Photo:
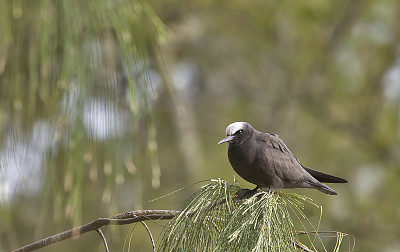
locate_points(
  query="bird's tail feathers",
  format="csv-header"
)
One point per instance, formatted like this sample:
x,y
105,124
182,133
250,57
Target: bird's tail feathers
x,y
323,177
323,188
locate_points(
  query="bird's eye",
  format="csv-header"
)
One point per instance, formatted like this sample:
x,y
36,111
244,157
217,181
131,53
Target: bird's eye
x,y
238,132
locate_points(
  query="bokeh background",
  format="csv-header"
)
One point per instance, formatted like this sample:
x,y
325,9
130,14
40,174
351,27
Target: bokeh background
x,y
106,105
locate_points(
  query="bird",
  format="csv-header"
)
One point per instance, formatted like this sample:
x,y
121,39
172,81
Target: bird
x,y
263,159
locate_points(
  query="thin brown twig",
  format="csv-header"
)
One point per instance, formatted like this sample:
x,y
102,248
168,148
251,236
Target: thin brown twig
x,y
301,246
103,238
320,232
151,236
120,219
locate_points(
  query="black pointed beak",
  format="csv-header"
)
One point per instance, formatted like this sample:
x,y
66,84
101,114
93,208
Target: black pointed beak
x,y
226,139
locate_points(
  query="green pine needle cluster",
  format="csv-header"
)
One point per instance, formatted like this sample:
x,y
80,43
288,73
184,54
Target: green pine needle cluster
x,y
214,219
202,220
260,223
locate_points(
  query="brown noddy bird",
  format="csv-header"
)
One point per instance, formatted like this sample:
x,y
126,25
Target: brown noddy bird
x,y
264,160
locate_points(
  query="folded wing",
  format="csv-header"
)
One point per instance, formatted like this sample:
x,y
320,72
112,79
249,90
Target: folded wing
x,y
323,177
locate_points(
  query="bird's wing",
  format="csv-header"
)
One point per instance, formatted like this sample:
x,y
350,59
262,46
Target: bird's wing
x,y
323,177
280,158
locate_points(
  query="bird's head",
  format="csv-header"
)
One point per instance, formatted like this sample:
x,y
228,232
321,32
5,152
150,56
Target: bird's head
x,y
237,133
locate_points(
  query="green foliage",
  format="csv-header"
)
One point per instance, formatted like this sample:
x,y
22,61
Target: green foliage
x,y
321,74
69,70
214,219
261,223
202,219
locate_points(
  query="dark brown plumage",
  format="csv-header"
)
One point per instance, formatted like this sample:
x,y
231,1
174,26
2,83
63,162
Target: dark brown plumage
x,y
263,159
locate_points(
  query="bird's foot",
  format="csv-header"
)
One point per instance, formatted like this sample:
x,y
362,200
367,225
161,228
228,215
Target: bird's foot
x,y
246,193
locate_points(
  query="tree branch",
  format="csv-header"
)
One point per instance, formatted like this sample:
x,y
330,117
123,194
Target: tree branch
x,y
120,219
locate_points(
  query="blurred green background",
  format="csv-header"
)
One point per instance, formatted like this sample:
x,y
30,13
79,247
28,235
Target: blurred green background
x,y
106,105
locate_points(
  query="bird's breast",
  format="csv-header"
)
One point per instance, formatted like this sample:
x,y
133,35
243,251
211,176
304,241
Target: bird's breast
x,y
248,166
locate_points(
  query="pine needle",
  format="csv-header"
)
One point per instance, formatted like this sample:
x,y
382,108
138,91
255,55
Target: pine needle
x,y
214,219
